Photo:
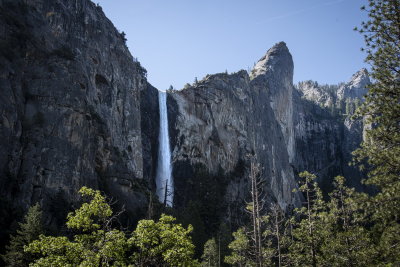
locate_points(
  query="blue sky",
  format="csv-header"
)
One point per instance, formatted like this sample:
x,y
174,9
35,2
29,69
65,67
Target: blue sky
x,y
178,40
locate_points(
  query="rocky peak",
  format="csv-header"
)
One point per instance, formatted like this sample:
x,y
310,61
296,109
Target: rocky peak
x,y
274,74
356,87
323,95
277,59
360,78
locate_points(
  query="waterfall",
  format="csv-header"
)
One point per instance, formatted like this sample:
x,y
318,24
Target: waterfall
x,y
164,180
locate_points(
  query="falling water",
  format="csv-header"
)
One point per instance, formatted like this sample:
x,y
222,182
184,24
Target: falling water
x,y
164,182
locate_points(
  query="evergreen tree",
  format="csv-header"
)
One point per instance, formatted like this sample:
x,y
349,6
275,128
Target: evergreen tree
x,y
162,243
277,234
29,230
97,244
311,229
210,255
348,242
349,107
255,208
381,110
240,248
250,248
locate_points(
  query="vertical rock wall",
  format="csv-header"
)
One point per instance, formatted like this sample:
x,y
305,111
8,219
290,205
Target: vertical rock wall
x,y
216,122
75,109
219,121
325,134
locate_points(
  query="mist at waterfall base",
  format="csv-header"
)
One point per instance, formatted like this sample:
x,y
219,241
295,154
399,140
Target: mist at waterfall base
x,y
164,181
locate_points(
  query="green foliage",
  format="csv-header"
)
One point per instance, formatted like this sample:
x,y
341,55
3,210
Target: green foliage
x,y
90,216
55,251
240,248
278,238
96,244
210,255
381,110
348,241
310,230
161,243
29,230
338,232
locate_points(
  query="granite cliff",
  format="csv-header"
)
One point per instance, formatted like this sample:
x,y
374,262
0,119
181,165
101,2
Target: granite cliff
x,y
76,109
216,122
325,133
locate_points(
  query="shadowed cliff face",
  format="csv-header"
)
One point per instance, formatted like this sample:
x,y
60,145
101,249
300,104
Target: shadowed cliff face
x,y
325,135
71,108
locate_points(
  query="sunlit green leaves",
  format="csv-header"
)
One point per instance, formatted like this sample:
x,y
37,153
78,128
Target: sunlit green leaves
x,y
162,241
90,214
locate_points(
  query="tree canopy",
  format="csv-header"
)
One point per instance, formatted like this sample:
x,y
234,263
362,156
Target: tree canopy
x,y
380,149
97,243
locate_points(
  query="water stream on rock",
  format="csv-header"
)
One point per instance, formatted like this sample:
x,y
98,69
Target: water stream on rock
x,y
164,181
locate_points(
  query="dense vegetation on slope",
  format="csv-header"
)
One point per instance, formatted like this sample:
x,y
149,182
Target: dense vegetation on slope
x,y
95,241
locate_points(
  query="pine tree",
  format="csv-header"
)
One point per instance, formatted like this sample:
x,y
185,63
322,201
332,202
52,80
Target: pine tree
x,y
311,229
96,243
381,110
277,234
162,243
210,254
29,230
348,242
240,248
248,246
255,208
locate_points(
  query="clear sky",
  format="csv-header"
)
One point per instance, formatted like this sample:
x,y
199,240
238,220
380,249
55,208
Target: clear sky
x,y
178,40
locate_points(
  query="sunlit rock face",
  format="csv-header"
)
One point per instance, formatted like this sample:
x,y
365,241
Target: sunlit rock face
x,y
323,95
70,103
274,72
223,118
356,87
